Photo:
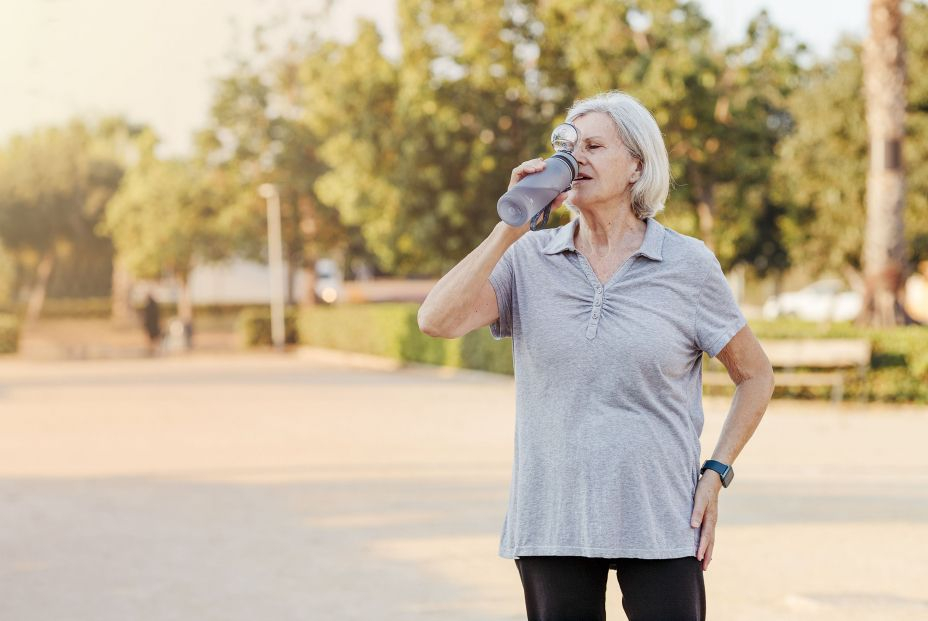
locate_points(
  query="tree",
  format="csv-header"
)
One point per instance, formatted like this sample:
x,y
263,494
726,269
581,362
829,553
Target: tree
x,y
163,221
721,111
822,165
256,135
54,185
884,242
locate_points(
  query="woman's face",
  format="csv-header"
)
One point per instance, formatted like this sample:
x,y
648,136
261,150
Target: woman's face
x,y
607,168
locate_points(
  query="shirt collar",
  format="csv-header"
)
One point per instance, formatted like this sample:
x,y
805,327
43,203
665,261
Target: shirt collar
x,y
651,247
563,239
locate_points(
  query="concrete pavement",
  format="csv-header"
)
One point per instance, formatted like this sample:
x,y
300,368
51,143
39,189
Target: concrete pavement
x,y
307,487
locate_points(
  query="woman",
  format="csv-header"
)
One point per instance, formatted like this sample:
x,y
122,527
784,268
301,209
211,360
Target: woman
x,y
609,316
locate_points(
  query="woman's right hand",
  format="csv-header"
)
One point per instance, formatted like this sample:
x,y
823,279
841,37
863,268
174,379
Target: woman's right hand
x,y
529,168
525,169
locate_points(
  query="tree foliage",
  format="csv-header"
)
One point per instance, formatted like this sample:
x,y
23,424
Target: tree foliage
x,y
425,145
403,159
54,185
161,220
256,135
821,168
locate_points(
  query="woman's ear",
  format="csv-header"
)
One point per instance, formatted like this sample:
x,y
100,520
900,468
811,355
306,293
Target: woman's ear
x,y
636,174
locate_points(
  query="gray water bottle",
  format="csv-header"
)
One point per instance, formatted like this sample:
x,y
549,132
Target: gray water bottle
x,y
536,191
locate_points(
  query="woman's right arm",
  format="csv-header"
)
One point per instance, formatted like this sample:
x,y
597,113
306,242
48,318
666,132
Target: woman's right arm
x,y
464,300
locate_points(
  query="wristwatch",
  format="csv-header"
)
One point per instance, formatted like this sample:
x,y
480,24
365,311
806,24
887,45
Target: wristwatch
x,y
725,471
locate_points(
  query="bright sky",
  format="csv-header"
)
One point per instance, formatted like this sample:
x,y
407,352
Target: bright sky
x,y
154,60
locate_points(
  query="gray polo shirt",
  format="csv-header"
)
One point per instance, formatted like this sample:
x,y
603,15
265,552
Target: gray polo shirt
x,y
608,392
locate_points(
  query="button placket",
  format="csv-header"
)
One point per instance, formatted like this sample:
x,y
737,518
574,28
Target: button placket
x,y
598,287
596,312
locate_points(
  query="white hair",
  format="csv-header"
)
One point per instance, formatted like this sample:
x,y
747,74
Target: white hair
x,y
640,133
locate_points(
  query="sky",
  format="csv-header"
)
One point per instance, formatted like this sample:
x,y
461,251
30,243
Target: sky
x,y
154,61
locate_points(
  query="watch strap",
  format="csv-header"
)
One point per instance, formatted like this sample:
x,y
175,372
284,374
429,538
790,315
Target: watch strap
x,y
725,472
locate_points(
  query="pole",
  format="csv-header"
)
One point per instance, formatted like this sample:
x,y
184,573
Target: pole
x,y
275,263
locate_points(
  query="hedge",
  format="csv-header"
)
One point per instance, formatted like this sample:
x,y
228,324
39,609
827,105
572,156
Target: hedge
x,y
392,330
898,365
253,326
101,308
74,308
9,334
898,370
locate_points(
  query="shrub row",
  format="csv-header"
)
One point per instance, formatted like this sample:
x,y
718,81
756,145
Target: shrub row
x,y
9,334
898,371
101,308
898,365
253,326
392,330
73,308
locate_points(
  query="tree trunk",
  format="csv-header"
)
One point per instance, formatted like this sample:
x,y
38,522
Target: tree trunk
x,y
185,309
705,211
37,295
884,242
309,295
308,229
121,311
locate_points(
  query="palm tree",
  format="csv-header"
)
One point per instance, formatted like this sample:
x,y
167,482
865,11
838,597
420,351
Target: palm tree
x,y
884,243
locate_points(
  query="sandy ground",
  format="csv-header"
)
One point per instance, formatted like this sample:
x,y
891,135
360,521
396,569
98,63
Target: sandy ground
x,y
302,487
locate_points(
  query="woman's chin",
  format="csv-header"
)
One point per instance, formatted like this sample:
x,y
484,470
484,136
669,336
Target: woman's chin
x,y
575,201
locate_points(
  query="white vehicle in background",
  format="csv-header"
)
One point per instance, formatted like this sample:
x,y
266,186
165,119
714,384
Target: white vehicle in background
x,y
824,300
330,284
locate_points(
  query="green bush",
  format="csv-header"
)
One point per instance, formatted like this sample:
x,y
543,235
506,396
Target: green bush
x,y
479,350
101,308
364,328
213,311
898,365
392,330
253,326
898,370
9,334
75,308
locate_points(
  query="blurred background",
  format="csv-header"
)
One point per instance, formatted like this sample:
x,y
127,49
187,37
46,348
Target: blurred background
x,y
218,220
135,138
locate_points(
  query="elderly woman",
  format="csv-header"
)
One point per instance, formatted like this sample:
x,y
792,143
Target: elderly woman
x,y
609,317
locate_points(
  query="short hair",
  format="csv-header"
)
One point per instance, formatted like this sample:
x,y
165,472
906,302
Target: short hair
x,y
640,133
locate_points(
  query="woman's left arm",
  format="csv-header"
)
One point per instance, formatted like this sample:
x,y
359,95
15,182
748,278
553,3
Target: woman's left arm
x,y
750,369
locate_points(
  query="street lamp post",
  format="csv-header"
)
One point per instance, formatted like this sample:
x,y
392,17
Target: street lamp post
x,y
275,262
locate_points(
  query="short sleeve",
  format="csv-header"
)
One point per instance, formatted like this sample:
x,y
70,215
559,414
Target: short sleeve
x,y
718,317
501,278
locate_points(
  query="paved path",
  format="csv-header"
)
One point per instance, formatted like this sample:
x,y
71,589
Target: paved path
x,y
295,488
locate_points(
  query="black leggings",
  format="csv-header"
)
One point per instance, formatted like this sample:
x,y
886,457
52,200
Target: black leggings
x,y
573,588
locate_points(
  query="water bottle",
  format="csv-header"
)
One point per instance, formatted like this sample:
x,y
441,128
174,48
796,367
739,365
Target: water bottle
x,y
536,191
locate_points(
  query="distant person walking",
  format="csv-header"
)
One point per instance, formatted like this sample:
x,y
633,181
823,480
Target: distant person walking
x,y
609,317
152,321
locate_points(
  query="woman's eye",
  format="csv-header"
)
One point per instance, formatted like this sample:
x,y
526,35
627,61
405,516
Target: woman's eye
x,y
595,146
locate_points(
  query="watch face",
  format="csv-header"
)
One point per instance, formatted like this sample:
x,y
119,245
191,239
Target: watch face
x,y
728,476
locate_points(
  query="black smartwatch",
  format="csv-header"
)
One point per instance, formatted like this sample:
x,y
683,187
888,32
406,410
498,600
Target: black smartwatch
x,y
725,471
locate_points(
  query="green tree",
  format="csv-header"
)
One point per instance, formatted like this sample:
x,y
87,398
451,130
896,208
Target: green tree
x,y
822,165
721,111
427,144
414,153
256,135
54,185
348,98
163,221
